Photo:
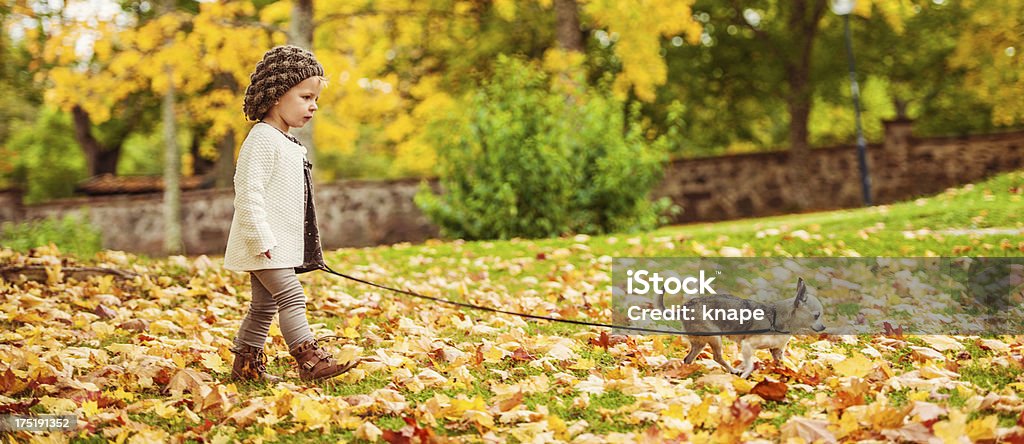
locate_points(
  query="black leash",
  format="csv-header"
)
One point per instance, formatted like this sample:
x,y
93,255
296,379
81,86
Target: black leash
x,y
545,318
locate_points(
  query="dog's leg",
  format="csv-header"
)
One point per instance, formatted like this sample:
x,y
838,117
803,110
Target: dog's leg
x,y
696,346
748,359
716,349
778,353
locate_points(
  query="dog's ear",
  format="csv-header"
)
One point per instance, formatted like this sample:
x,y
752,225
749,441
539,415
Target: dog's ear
x,y
801,292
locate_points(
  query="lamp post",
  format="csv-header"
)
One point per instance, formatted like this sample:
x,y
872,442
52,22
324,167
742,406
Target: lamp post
x,y
844,8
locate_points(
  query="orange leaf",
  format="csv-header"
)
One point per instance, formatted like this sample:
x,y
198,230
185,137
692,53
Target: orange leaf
x,y
743,414
602,341
10,384
20,407
407,433
136,325
893,332
508,404
679,369
770,390
522,355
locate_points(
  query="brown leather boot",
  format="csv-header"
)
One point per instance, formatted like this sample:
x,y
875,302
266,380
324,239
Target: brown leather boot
x,y
251,365
315,363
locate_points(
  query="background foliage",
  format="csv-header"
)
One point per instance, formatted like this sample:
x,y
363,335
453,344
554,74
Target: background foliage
x,y
528,160
71,234
761,75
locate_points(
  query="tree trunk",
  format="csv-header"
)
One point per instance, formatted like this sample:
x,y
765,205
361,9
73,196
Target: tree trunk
x,y
172,163
3,44
803,22
224,169
799,107
569,38
300,33
901,107
98,158
200,165
567,23
172,173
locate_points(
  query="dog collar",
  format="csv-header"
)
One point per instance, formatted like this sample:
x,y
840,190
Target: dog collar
x,y
775,313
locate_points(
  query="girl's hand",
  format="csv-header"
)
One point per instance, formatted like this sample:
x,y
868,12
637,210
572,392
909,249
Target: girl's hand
x,y
267,254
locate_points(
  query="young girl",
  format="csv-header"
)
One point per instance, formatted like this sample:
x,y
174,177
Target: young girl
x,y
273,231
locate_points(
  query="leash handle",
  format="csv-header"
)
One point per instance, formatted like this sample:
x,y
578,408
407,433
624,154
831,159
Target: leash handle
x,y
328,269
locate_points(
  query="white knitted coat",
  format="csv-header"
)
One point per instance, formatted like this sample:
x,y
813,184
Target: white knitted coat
x,y
269,202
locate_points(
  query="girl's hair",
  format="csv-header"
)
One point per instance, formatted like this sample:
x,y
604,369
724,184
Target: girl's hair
x,y
282,68
323,80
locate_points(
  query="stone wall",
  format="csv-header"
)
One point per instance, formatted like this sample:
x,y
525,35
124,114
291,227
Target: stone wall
x,y
350,213
356,213
901,167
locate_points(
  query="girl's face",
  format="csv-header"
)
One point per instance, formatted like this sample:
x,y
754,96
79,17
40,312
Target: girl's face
x,y
297,106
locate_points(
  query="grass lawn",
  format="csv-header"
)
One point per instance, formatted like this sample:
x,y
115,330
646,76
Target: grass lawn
x,y
434,370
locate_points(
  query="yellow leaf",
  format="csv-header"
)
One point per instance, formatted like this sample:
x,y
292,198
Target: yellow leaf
x,y
506,9
480,417
919,396
90,409
494,354
350,333
742,386
148,435
54,274
123,395
164,410
951,430
461,405
766,429
269,434
857,366
220,438
557,425
164,326
983,428
57,405
313,413
583,364
368,431
700,415
129,350
850,421
102,329
659,347
179,360
214,362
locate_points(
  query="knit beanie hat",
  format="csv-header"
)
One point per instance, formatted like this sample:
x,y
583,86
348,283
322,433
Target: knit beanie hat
x,y
282,68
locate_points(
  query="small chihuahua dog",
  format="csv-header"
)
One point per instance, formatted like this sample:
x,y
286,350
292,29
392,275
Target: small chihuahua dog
x,y
799,313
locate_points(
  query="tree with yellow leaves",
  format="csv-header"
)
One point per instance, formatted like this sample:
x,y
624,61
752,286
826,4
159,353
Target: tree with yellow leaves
x,y
992,51
210,52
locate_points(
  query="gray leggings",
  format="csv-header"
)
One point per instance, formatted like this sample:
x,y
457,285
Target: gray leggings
x,y
275,291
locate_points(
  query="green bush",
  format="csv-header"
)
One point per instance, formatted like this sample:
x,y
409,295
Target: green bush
x,y
71,234
524,159
48,161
